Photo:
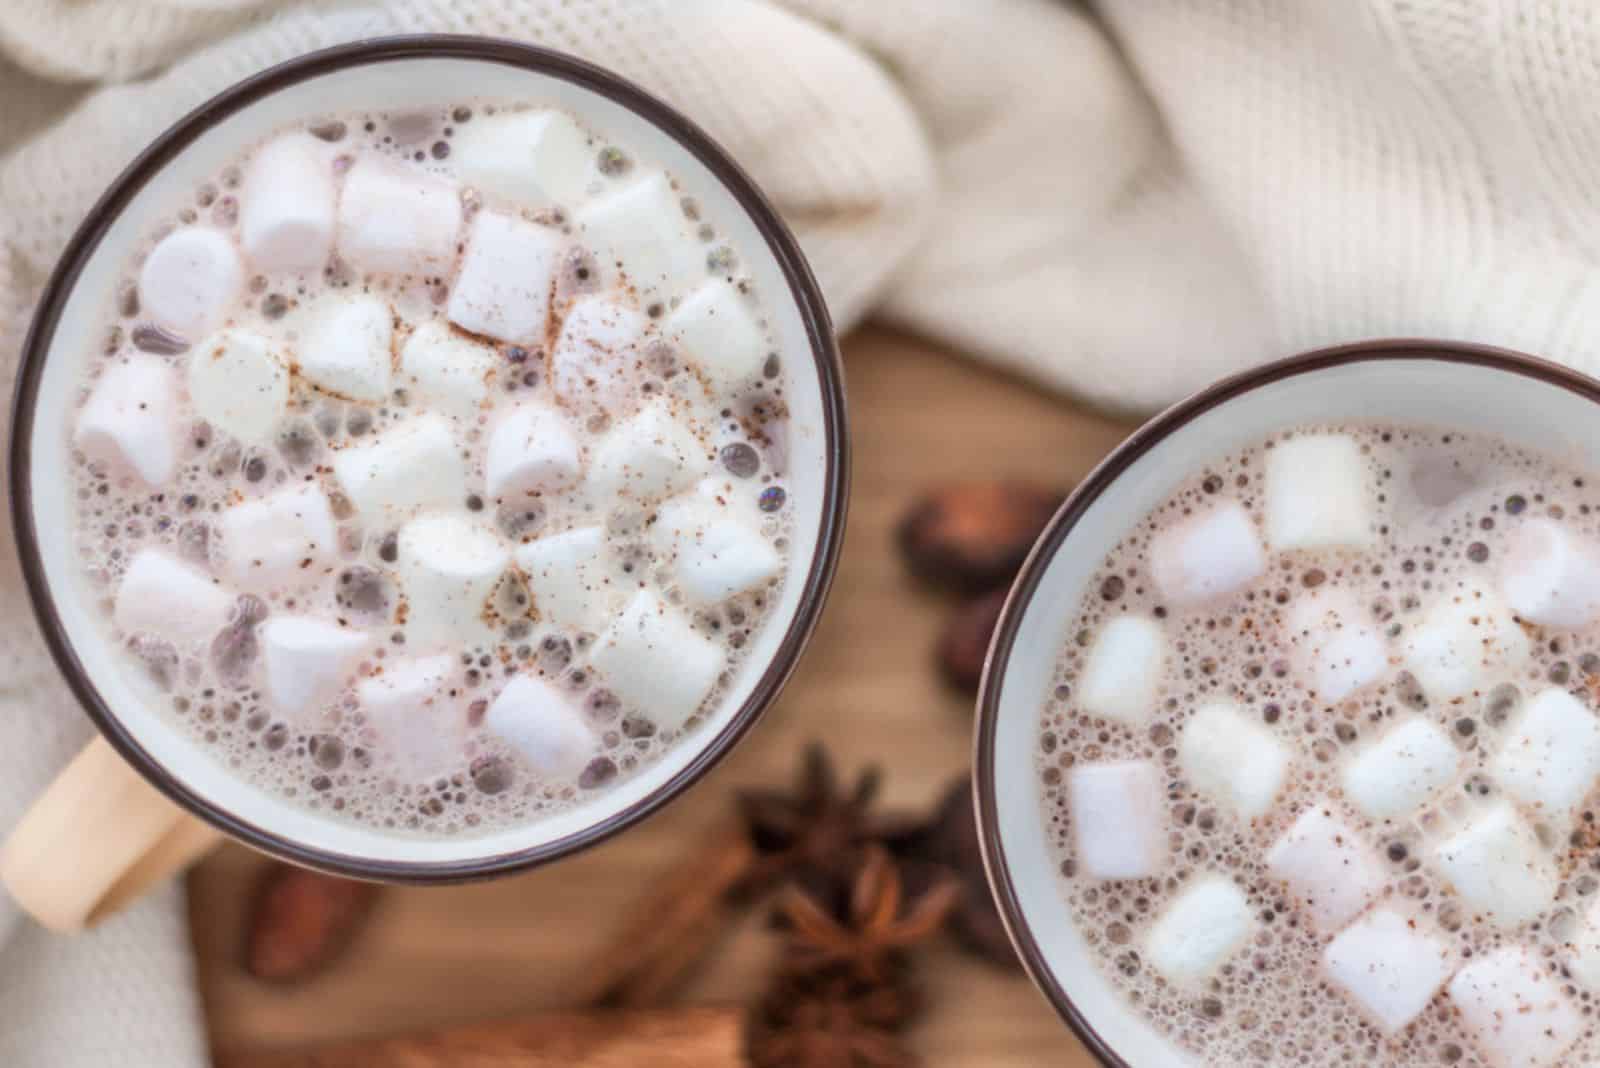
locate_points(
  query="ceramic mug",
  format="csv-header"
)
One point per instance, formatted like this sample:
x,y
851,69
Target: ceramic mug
x,y
144,797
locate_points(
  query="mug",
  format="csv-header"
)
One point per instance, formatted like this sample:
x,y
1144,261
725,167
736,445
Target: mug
x,y
1523,400
144,798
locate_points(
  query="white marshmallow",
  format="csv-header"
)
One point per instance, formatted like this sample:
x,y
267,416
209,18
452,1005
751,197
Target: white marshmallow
x,y
1551,758
717,329
307,660
130,420
642,229
1551,575
532,450
279,540
568,576
408,468
1199,931
287,205
651,657
650,456
447,370
1498,867
420,722
1466,642
1118,819
1317,494
448,567
532,158
712,553
161,595
1394,776
596,356
1584,951
539,722
239,385
1515,1012
190,281
1390,966
1122,676
1336,650
1329,870
349,348
1206,556
1233,758
507,278
395,220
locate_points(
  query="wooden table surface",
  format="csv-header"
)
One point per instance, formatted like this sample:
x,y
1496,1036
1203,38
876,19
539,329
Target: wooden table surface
x,y
460,954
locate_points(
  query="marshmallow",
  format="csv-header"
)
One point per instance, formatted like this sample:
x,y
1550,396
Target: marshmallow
x,y
286,210
239,385
348,350
1206,556
129,421
1328,869
713,555
507,276
447,370
1394,776
409,467
396,220
1317,494
1233,759
416,714
720,333
161,595
1122,675
650,456
1118,819
1551,575
531,451
642,230
1390,966
1584,951
190,280
1200,930
1466,642
1515,1011
539,722
533,158
448,568
307,659
568,576
278,540
596,356
651,657
1551,757
1335,650
1498,867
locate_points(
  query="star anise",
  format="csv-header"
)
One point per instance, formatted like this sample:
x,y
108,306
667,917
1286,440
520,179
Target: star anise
x,y
817,826
827,1033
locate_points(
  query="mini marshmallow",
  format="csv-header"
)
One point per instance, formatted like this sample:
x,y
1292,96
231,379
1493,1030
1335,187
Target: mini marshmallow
x,y
1335,649
539,722
1498,867
533,158
348,349
190,280
1327,867
532,450
410,467
396,220
1394,776
651,657
1467,641
568,576
1583,960
718,330
287,205
1122,676
130,420
421,724
712,553
161,595
306,660
1233,759
1515,1011
1317,494
448,567
1206,556
506,279
1550,759
595,357
1390,966
1551,575
1199,931
447,370
642,230
650,456
279,540
1118,819
239,385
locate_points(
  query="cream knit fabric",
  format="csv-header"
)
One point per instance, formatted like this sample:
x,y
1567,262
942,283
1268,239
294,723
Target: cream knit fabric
x,y
1121,205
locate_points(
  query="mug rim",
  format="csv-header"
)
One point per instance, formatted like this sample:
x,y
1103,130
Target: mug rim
x,y
1057,532
803,290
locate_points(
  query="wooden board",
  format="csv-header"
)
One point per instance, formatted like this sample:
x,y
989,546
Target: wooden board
x,y
460,954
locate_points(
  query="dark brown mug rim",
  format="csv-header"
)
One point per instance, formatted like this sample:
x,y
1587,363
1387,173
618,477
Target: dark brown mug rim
x,y
1054,537
803,290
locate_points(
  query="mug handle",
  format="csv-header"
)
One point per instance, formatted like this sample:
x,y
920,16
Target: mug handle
x,y
95,841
